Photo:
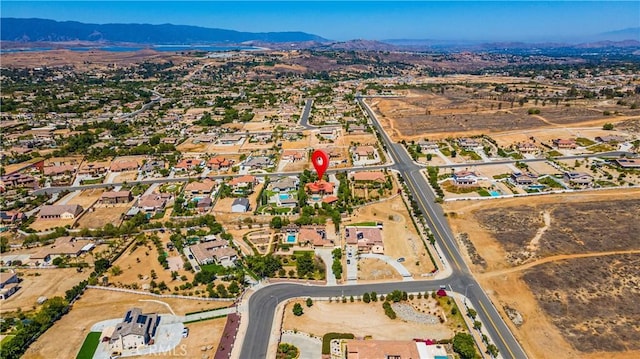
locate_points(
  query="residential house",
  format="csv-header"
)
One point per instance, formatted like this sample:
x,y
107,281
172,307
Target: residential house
x,y
220,163
153,202
314,235
293,155
564,143
216,251
60,211
627,162
257,163
243,184
368,239
357,129
262,137
123,165
465,178
240,205
11,217
152,166
17,180
188,164
469,144
374,177
94,168
116,197
393,349
319,187
364,153
428,145
8,284
58,171
204,204
231,139
62,247
610,139
328,133
527,147
523,179
579,179
204,187
135,331
284,184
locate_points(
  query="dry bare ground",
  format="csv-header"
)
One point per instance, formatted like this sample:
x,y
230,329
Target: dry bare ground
x,y
42,282
361,319
576,288
97,305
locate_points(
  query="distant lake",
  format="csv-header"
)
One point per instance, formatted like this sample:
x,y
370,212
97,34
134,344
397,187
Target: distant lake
x,y
164,48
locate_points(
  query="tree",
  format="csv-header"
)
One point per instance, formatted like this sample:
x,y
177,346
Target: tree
x,y
492,350
464,345
309,302
115,270
276,222
477,325
101,265
366,298
471,313
297,310
607,126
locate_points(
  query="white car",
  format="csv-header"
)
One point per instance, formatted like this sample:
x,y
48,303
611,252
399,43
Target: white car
x,y
185,332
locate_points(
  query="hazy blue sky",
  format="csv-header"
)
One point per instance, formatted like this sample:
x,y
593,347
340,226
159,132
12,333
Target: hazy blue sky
x,y
452,20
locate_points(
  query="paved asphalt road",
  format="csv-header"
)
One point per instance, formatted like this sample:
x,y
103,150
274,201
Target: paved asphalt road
x,y
304,119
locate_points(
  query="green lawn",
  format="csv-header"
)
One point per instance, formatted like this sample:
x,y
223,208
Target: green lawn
x,y
6,339
89,346
364,224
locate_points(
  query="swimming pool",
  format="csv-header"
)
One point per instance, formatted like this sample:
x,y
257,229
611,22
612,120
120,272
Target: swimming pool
x,y
494,193
284,196
291,238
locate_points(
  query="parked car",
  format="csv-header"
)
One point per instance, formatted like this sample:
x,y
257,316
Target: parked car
x,y
401,259
185,332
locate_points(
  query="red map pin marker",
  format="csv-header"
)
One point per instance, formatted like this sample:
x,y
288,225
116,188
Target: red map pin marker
x,y
320,162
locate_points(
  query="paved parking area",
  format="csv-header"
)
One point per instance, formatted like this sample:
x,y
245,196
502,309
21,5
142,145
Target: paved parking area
x,y
310,347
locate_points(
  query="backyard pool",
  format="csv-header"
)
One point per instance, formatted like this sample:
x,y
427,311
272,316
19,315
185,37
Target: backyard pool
x,y
284,196
494,193
291,238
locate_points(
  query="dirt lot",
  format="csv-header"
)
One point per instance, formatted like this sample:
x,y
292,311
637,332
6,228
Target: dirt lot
x,y
325,317
99,216
579,251
87,198
46,224
375,269
398,234
97,305
42,282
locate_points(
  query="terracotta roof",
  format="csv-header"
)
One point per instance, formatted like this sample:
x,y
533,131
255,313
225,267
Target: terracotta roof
x,y
377,176
319,186
242,179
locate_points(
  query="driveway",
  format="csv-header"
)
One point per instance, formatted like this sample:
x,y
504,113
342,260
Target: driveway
x,y
352,264
406,276
327,258
310,347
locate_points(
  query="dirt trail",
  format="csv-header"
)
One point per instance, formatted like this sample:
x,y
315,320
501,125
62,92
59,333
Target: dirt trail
x,y
554,259
533,245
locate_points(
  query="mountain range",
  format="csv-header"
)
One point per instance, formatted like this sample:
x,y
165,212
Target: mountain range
x,y
42,30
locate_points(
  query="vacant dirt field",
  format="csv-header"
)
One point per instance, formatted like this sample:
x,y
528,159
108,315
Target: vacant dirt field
x,y
42,282
46,224
97,217
593,301
97,305
87,198
466,109
580,268
325,317
375,270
